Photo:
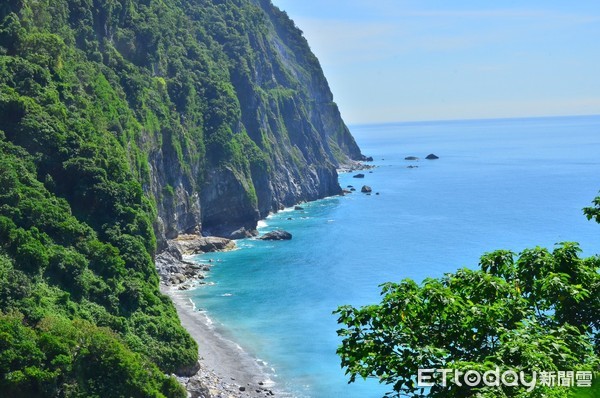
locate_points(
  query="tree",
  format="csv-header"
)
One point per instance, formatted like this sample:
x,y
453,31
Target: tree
x,y
539,311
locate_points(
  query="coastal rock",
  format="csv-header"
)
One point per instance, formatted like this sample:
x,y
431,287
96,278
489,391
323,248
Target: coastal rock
x,y
411,158
412,167
173,270
298,208
277,235
346,191
189,371
195,244
197,389
360,175
431,156
242,233
366,189
369,159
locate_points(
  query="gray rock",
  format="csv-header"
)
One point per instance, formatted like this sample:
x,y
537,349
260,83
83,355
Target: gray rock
x,y
242,233
298,208
188,371
360,175
366,189
411,158
197,389
195,244
431,156
277,235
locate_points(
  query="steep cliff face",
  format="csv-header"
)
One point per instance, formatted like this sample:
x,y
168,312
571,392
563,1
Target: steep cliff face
x,y
221,106
297,136
124,123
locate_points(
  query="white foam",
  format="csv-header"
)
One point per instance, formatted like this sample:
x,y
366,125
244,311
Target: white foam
x,y
226,295
261,224
207,320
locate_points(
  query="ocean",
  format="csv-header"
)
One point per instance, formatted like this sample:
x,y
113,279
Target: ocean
x,y
498,184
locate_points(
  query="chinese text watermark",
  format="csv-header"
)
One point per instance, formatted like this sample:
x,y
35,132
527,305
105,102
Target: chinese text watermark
x,y
509,378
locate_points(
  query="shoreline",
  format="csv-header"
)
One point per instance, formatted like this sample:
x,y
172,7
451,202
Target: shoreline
x,y
226,370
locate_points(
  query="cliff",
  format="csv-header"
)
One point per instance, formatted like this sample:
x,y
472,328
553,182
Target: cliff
x,y
271,132
125,123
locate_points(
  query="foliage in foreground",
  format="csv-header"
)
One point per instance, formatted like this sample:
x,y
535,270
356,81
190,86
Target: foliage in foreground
x,y
538,311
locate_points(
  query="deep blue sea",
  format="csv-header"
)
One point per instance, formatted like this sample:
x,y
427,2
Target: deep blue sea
x,y
499,184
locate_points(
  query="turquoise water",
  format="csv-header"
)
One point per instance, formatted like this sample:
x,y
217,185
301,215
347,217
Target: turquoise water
x,y
499,184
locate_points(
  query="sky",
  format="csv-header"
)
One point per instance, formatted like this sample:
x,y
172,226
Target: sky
x,y
395,60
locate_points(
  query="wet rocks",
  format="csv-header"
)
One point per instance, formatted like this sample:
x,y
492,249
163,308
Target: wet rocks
x,y
366,189
277,235
360,175
174,270
431,156
196,244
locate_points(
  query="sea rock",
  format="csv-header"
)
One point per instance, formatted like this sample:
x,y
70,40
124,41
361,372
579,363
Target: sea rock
x,y
366,189
411,158
431,156
412,167
298,208
277,235
242,233
346,191
360,175
196,244
369,159
352,189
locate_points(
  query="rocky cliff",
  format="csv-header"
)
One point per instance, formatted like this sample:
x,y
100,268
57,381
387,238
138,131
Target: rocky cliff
x,y
125,123
287,131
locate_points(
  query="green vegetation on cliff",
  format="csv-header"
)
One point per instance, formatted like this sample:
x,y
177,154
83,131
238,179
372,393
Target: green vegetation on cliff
x,y
123,123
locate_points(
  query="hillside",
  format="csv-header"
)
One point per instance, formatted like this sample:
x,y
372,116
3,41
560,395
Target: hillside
x,y
122,124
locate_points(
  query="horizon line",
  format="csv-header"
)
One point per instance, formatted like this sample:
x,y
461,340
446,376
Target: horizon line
x,y
470,119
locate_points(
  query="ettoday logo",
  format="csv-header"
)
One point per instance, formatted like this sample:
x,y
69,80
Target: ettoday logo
x,y
509,378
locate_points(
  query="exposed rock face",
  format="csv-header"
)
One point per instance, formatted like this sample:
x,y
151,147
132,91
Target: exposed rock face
x,y
276,235
194,244
431,156
174,270
291,135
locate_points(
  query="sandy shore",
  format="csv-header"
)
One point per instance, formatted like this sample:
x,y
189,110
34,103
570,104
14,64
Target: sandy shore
x,y
226,370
